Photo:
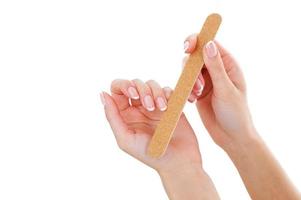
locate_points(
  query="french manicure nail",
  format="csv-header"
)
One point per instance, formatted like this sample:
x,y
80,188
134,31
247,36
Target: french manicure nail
x,y
161,104
149,103
200,87
168,92
186,46
133,93
211,49
199,93
102,98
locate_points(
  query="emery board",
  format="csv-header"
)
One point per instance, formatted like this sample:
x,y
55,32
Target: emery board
x,y
176,103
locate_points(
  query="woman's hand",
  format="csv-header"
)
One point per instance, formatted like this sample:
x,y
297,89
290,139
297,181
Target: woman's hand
x,y
220,92
133,111
222,105
133,123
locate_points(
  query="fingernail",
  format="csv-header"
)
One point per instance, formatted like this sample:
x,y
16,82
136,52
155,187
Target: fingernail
x,y
168,92
186,46
133,93
149,103
211,49
191,99
199,87
161,104
102,98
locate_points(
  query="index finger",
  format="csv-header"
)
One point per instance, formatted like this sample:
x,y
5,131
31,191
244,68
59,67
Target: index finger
x,y
124,87
190,43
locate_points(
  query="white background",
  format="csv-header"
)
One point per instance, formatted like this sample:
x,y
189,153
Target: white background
x,y
56,56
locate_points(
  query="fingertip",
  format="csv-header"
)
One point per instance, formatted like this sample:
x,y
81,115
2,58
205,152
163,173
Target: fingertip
x,y
211,50
110,104
190,43
191,98
211,56
133,93
102,99
161,103
201,82
215,67
199,86
149,103
103,96
186,46
121,87
167,92
106,99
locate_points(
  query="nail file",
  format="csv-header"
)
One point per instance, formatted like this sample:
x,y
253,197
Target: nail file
x,y
194,64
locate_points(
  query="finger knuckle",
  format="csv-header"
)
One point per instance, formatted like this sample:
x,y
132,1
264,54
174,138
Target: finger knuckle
x,y
167,89
151,82
137,80
114,82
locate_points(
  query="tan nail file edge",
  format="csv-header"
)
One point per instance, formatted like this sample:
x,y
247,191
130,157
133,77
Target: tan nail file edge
x,y
176,103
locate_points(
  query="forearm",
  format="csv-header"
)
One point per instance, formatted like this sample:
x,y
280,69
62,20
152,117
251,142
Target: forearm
x,y
261,173
188,183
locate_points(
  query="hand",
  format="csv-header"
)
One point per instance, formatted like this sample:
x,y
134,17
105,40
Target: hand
x,y
221,101
134,123
220,92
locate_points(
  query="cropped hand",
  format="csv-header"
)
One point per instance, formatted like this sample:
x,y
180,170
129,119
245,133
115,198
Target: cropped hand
x,y
133,111
220,92
133,123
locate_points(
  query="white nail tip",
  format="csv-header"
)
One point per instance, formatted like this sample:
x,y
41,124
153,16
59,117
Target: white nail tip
x,y
198,93
163,109
151,109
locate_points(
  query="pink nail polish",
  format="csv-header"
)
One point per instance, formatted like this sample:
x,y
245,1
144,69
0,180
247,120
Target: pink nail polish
x,y
102,98
161,104
133,93
149,103
211,49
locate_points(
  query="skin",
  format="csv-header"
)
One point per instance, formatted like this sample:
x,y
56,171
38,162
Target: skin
x,y
220,95
180,168
224,111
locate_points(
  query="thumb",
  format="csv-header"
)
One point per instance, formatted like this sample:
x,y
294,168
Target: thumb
x,y
215,66
121,132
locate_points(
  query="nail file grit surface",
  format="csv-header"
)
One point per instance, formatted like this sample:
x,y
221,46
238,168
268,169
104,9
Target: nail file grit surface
x,y
194,64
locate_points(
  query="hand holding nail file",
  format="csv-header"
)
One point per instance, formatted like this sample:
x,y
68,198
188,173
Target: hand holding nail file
x,y
194,64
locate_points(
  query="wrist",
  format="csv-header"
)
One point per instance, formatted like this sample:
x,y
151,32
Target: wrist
x,y
189,182
243,145
182,171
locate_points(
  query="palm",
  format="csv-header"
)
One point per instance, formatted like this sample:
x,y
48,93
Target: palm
x,y
217,112
143,123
